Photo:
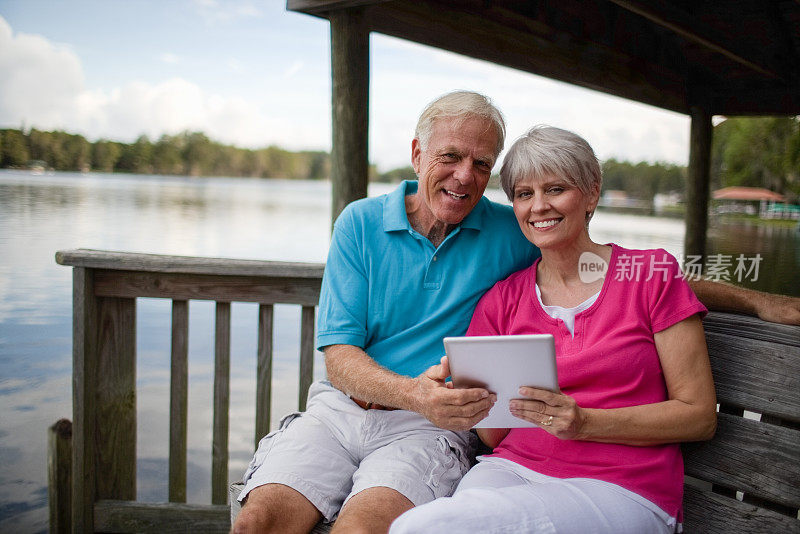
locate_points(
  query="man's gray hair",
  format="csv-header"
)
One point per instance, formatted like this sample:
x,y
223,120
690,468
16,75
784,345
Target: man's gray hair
x,y
460,105
546,150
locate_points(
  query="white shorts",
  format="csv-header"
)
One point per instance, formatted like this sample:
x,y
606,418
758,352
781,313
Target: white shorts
x,y
499,496
336,449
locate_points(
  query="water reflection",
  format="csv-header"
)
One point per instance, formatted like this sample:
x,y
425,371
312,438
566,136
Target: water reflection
x,y
779,247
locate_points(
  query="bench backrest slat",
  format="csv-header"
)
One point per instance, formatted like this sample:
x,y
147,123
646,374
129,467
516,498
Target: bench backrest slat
x,y
752,457
708,513
757,375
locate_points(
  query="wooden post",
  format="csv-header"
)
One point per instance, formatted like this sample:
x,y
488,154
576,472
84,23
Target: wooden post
x,y
697,186
59,475
103,399
350,109
84,364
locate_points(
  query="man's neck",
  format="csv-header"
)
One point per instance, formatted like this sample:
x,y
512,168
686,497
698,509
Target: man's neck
x,y
434,230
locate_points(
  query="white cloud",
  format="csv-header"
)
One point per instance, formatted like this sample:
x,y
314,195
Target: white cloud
x,y
42,86
39,81
169,58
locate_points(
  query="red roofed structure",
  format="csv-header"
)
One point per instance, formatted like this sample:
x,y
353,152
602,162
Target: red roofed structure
x,y
747,193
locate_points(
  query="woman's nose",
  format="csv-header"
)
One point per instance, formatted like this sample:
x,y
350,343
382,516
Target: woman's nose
x,y
539,204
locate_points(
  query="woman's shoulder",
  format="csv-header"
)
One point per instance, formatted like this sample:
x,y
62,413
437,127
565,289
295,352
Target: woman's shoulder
x,y
641,264
641,252
516,282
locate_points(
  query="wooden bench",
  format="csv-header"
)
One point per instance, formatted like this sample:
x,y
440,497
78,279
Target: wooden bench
x,y
746,479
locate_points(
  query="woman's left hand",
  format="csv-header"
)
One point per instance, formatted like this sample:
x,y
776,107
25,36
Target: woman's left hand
x,y
555,413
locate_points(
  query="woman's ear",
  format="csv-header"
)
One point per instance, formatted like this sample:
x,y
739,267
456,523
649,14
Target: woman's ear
x,y
594,197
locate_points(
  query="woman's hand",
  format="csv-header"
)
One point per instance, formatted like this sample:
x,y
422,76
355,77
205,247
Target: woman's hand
x,y
556,413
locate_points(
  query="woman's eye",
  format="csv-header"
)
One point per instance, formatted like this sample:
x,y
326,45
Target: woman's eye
x,y
523,194
555,190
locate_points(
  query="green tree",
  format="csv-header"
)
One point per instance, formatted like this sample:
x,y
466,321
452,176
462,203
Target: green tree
x,y
136,157
78,152
14,150
398,175
197,153
758,152
105,155
167,158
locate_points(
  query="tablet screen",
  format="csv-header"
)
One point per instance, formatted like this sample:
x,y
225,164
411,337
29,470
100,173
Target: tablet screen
x,y
502,364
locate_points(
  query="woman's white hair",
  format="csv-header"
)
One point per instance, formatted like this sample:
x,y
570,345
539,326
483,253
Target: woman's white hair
x,y
546,150
460,105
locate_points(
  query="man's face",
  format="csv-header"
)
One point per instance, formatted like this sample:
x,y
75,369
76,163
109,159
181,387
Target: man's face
x,y
454,168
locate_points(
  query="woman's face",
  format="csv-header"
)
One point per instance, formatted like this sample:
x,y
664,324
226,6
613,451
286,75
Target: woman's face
x,y
550,211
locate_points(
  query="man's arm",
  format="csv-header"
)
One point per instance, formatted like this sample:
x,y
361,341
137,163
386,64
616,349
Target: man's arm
x,y
354,372
719,296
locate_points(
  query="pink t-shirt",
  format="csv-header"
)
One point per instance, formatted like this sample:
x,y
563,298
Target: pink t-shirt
x,y
611,362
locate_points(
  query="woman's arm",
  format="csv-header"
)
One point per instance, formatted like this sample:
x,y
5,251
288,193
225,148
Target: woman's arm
x,y
689,413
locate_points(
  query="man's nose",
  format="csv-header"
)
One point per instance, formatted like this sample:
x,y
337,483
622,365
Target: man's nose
x,y
464,172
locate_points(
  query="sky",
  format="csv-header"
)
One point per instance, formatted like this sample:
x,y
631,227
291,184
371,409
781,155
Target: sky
x,y
249,73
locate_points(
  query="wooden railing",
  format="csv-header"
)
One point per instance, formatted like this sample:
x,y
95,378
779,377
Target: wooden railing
x,y
106,286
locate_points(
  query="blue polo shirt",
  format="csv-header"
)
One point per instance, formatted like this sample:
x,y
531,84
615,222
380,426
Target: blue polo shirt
x,y
388,290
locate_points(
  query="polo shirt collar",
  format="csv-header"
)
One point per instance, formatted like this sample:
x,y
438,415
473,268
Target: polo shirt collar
x,y
394,209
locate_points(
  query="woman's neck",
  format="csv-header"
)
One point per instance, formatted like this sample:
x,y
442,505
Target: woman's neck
x,y
558,274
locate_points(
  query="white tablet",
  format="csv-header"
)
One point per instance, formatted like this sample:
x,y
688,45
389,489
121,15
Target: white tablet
x,y
502,364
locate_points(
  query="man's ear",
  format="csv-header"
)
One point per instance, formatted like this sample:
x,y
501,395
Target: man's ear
x,y
416,154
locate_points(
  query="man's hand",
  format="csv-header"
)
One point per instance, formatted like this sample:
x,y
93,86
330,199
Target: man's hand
x,y
720,296
446,407
778,308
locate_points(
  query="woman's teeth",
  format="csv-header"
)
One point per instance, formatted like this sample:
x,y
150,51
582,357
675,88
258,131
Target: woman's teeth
x,y
546,224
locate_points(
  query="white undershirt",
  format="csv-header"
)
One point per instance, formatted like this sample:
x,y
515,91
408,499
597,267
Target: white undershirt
x,y
566,314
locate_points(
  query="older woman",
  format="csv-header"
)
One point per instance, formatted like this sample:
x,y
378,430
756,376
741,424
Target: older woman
x,y
633,370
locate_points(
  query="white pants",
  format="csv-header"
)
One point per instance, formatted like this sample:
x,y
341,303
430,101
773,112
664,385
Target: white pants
x,y
500,496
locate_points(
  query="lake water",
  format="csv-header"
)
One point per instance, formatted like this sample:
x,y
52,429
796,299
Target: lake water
x,y
224,217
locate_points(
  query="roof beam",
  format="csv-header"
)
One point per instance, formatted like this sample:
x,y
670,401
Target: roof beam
x,y
500,36
667,15
318,7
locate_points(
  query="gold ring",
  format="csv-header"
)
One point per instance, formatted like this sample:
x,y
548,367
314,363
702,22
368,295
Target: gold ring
x,y
548,422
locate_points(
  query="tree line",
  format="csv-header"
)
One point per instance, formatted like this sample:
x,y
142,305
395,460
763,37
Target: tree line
x,y
757,152
187,153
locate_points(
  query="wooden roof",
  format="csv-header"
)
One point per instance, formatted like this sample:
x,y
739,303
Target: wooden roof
x,y
728,57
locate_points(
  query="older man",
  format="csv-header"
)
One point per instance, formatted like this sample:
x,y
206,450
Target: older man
x,y
404,270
